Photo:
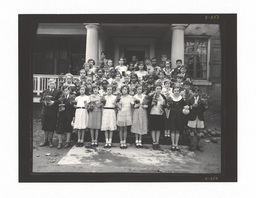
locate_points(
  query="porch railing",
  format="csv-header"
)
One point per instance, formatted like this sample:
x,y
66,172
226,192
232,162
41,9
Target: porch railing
x,y
40,82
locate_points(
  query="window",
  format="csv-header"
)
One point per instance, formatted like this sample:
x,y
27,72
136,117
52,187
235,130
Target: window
x,y
196,56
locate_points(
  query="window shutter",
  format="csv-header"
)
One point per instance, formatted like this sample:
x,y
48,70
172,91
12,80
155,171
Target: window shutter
x,y
215,60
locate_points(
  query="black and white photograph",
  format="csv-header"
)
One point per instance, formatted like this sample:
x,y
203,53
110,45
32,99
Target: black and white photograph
x,y
126,96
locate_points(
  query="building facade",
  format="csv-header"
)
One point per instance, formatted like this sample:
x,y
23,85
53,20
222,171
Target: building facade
x,y
64,47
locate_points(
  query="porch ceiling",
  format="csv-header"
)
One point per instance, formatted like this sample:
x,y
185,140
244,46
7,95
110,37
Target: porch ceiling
x,y
135,29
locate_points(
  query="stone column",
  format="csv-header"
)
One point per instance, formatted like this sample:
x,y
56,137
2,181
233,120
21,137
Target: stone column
x,y
177,43
92,41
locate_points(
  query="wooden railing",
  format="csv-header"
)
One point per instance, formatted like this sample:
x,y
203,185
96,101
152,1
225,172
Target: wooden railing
x,y
40,82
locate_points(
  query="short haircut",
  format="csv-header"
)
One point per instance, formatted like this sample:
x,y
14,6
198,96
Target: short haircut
x,y
65,87
124,87
178,60
91,60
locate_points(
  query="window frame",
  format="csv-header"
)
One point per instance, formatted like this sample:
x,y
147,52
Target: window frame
x,y
206,81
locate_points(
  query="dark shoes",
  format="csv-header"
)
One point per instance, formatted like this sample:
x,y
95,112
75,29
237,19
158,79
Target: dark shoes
x,y
44,143
192,148
156,146
59,146
67,145
79,144
200,148
50,144
177,148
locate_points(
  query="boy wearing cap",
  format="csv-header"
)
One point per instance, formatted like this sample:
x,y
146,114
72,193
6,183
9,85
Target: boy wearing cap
x,y
50,102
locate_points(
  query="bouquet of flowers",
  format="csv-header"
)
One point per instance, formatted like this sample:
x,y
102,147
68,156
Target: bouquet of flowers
x,y
169,101
204,99
47,99
91,105
103,100
136,101
146,100
61,105
155,99
118,97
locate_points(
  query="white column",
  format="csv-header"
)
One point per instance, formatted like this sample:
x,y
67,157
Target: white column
x,y
101,45
92,41
177,43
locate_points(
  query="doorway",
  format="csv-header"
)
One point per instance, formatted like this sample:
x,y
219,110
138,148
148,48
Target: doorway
x,y
140,54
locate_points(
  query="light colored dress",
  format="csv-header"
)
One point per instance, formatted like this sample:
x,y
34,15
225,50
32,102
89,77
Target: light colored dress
x,y
109,114
95,115
140,74
140,118
81,115
124,116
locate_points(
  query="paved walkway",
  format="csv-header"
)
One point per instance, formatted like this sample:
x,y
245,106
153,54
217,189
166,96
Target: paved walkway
x,y
137,160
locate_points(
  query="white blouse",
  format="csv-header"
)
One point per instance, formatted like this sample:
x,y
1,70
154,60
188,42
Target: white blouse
x,y
81,99
110,101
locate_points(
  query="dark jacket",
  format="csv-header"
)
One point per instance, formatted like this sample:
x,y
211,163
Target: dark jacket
x,y
69,111
196,111
50,110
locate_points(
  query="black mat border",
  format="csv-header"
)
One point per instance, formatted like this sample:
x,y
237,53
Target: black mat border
x,y
27,34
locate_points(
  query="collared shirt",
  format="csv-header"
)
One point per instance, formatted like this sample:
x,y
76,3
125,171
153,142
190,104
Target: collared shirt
x,y
196,99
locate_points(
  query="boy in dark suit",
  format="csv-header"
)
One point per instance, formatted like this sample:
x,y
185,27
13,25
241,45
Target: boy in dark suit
x,y
66,115
196,119
50,102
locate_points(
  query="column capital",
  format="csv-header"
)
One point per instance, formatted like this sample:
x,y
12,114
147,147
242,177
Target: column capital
x,y
178,26
92,26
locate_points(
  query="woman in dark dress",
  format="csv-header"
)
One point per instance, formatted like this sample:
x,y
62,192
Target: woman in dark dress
x,y
176,105
156,115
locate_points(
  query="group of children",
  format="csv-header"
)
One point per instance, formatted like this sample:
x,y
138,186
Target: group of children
x,y
141,97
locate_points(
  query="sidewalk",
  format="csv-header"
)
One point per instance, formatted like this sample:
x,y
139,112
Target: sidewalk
x,y
145,160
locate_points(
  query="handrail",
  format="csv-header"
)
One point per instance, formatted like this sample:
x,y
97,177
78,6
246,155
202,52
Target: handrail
x,y
40,82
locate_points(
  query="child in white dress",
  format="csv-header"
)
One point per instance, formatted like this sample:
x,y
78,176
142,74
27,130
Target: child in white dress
x,y
81,116
108,116
140,119
124,115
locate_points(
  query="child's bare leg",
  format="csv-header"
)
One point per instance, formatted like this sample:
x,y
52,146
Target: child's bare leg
x,y
173,138
68,137
125,133
50,136
110,137
79,134
96,134
177,137
157,136
92,134
121,134
153,135
82,136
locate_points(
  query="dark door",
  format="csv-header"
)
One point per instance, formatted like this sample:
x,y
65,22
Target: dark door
x,y
139,54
